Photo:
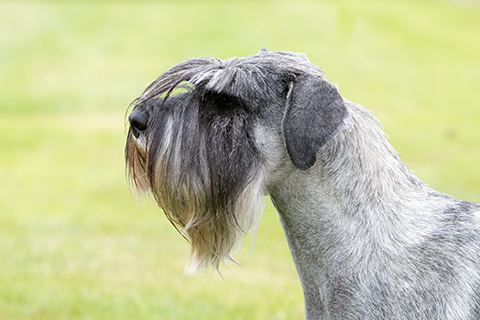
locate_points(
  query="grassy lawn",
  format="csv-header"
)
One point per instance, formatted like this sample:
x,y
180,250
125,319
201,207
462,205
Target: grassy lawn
x,y
75,242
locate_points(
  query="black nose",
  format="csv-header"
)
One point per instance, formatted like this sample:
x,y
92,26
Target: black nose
x,y
138,122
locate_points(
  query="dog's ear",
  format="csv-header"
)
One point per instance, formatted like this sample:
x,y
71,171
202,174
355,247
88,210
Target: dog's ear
x,y
314,113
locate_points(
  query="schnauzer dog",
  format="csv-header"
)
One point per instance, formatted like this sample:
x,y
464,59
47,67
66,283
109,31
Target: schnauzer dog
x,y
209,138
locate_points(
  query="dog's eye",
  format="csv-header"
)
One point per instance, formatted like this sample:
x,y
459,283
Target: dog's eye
x,y
227,101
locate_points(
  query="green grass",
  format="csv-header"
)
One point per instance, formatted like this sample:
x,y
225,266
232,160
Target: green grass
x,y
75,243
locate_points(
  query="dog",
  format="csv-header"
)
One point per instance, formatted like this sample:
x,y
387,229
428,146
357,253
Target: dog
x,y
210,138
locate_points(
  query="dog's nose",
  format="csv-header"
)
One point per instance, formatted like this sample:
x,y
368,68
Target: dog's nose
x,y
138,122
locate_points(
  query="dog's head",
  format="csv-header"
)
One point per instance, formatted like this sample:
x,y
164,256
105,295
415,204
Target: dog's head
x,y
206,134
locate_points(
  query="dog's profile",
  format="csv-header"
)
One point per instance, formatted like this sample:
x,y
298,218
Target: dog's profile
x,y
209,138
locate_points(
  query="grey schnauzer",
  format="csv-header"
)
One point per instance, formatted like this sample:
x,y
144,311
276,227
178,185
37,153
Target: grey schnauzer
x,y
209,138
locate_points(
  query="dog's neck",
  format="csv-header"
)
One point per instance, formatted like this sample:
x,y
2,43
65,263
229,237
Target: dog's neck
x,y
347,209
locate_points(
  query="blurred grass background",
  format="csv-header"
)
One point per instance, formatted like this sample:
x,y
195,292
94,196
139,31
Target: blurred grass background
x,y
75,243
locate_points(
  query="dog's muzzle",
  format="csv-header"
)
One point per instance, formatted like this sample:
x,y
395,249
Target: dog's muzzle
x,y
138,122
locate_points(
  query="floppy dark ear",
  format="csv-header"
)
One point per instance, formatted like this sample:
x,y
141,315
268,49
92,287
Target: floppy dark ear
x,y
314,113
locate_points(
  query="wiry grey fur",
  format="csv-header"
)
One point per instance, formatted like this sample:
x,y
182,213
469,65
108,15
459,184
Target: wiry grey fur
x,y
368,238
